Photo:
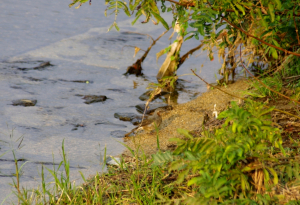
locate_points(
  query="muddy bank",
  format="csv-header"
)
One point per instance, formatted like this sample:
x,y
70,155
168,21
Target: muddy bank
x,y
188,116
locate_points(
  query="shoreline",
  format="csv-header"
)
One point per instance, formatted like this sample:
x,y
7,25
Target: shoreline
x,y
189,116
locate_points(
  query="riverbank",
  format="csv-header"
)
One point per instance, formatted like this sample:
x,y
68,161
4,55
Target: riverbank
x,y
253,158
187,116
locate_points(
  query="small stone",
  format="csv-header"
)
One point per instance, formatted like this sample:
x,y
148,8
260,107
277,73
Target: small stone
x,y
24,102
94,98
113,161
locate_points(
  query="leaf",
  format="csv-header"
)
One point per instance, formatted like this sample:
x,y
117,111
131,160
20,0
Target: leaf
x,y
241,8
278,2
194,180
125,8
181,176
136,50
271,11
160,53
274,52
185,133
275,179
159,18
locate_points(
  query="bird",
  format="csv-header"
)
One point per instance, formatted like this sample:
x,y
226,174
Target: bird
x,y
215,112
148,123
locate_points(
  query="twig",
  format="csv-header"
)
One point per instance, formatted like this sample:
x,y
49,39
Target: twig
x,y
261,81
137,66
264,42
240,97
153,43
291,81
185,56
296,26
132,47
296,76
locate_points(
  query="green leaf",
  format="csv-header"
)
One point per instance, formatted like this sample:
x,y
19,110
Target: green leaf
x,y
278,2
185,133
274,52
159,18
181,176
241,8
271,11
125,8
275,179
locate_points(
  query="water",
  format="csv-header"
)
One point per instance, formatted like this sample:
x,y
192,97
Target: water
x,y
77,44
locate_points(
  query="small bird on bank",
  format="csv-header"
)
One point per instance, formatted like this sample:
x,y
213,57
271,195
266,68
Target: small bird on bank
x,y
215,112
149,123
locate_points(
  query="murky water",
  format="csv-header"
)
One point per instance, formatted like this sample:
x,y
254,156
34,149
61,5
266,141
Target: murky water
x,y
86,60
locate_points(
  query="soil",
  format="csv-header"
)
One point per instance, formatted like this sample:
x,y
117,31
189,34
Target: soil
x,y
190,116
187,116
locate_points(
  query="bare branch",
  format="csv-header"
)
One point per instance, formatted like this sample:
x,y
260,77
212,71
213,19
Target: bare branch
x,y
190,52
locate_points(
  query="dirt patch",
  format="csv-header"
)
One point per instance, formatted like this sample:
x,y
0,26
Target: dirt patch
x,y
187,116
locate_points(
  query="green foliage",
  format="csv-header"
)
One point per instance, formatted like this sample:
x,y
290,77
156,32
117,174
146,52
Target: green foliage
x,y
219,163
260,91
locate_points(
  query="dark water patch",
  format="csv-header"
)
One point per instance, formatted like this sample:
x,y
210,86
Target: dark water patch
x,y
34,79
41,66
37,162
105,122
59,108
24,102
76,126
76,81
16,87
117,90
118,133
145,96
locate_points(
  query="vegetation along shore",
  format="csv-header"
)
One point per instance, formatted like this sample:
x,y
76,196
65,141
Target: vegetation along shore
x,y
238,143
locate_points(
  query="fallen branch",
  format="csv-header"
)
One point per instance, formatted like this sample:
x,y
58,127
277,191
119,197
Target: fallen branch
x,y
136,68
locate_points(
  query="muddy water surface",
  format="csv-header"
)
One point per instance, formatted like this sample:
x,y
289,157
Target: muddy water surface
x,y
84,60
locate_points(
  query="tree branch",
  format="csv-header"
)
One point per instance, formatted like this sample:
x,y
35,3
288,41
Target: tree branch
x,y
185,56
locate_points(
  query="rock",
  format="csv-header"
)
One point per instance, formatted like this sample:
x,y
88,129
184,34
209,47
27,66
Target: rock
x,y
145,96
94,98
113,161
118,133
126,116
140,108
24,102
